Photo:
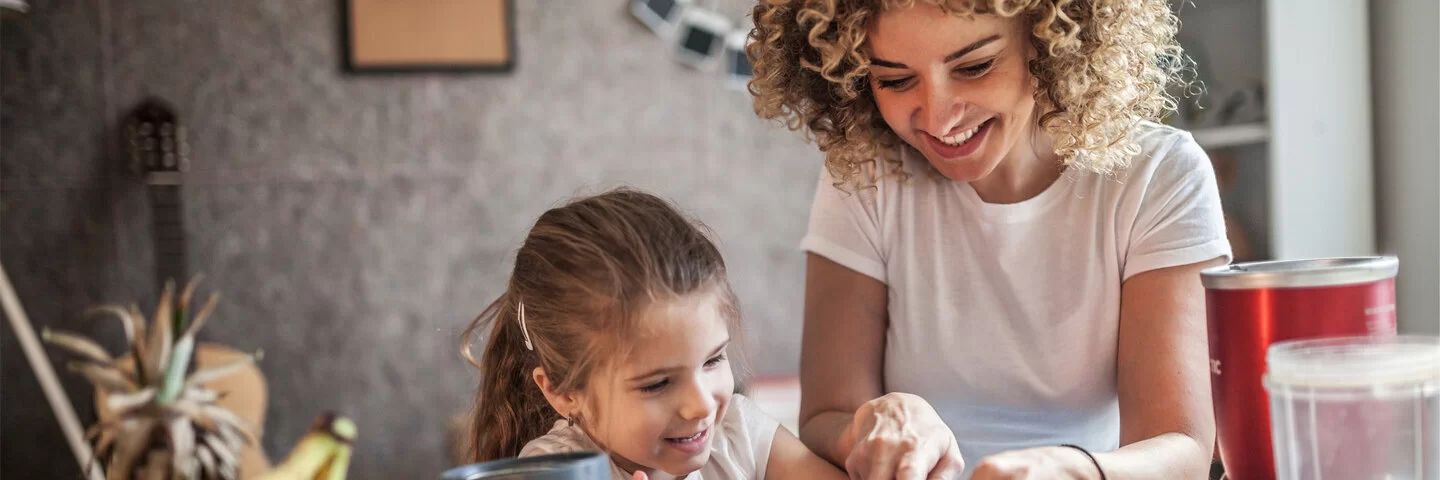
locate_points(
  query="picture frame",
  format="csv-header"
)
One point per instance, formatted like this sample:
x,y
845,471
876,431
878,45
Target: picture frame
x,y
661,16
394,36
700,38
735,62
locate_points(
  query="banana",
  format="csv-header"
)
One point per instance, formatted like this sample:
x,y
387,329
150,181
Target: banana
x,y
322,454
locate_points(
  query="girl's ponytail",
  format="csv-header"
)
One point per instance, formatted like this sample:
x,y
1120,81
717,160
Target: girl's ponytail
x,y
510,410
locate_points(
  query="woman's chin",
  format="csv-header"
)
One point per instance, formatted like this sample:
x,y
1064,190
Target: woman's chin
x,y
966,170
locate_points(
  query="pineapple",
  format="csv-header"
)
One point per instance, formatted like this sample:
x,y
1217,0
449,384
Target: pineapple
x,y
165,425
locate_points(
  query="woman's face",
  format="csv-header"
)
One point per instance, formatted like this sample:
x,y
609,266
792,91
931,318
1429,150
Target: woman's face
x,y
956,89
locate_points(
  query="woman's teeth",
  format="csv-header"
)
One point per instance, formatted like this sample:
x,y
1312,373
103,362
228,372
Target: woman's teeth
x,y
961,137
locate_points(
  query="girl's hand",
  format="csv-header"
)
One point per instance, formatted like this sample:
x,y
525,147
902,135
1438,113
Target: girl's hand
x,y
1037,463
899,436
639,476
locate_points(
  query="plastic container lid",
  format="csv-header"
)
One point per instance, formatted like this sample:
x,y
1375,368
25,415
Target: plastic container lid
x,y
559,466
1355,362
1321,272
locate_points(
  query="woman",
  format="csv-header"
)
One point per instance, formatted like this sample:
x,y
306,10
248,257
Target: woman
x,y
1004,248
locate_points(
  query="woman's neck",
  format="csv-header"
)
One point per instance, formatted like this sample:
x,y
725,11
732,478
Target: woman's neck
x,y
1030,168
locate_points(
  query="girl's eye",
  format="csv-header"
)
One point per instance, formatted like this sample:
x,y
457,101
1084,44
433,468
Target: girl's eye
x,y
976,69
655,387
714,361
895,84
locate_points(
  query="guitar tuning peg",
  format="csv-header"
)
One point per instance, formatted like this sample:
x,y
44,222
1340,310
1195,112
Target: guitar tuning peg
x,y
155,137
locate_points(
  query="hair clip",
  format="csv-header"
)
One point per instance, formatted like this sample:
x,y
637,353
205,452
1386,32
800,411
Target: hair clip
x,y
523,329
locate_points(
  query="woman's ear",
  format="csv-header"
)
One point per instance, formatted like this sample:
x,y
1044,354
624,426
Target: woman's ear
x,y
568,404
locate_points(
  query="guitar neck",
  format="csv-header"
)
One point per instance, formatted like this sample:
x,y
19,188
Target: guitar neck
x,y
168,232
159,152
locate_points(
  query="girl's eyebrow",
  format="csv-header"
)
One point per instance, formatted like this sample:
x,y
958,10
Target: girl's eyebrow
x,y
675,368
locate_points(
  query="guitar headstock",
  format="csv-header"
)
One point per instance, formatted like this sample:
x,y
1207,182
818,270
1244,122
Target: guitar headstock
x,y
156,138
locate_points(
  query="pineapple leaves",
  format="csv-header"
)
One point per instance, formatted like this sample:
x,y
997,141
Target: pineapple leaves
x,y
174,380
109,378
162,338
78,345
165,424
200,378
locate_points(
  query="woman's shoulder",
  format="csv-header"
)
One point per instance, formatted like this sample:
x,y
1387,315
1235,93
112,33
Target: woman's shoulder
x,y
1166,144
1167,154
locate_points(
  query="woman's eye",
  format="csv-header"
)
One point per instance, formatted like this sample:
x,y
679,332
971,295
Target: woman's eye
x,y
654,387
976,69
894,84
713,361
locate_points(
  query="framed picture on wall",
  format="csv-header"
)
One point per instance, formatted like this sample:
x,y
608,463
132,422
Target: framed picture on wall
x,y
428,35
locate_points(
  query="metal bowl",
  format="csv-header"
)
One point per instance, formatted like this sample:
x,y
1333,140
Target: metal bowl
x,y
560,466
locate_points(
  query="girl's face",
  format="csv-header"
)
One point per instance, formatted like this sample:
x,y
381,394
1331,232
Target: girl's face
x,y
658,408
958,90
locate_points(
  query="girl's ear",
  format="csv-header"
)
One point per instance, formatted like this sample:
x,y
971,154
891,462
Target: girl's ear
x,y
567,404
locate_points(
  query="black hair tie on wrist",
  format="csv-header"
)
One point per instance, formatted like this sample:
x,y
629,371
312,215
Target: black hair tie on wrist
x,y
1091,457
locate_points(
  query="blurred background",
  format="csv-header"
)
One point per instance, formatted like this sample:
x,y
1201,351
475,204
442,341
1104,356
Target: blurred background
x,y
356,213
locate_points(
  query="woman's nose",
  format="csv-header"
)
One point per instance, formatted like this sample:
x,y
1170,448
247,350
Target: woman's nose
x,y
941,108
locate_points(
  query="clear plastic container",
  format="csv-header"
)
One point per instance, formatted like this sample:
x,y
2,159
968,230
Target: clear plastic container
x,y
1355,408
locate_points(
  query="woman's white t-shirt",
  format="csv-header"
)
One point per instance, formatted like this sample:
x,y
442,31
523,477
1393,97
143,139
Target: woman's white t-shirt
x,y
741,451
1005,316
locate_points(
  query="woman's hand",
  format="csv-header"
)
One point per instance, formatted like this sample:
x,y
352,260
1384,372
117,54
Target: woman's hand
x,y
899,436
1037,463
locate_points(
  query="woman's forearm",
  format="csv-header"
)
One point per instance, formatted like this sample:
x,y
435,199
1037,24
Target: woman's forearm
x,y
825,434
1168,456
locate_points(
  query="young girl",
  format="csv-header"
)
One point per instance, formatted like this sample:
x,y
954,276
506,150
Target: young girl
x,y
614,335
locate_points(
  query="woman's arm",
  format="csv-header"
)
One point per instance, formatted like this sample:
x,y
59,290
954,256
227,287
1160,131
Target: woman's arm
x,y
791,459
842,353
843,415
1167,429
1167,422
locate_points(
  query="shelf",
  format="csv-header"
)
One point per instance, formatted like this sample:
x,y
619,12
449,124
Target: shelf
x,y
1231,135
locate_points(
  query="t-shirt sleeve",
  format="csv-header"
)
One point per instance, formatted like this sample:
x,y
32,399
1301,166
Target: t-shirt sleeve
x,y
558,440
749,432
845,228
1179,220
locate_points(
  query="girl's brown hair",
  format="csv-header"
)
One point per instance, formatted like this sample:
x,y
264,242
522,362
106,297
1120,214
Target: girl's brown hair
x,y
1102,66
586,273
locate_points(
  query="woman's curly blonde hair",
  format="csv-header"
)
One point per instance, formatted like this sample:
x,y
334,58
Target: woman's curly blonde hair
x,y
1101,65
